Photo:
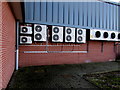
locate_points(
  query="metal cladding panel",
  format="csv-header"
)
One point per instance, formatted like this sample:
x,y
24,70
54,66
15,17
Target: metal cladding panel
x,y
37,15
89,14
108,18
101,15
118,19
70,19
97,5
115,17
66,13
55,12
75,13
85,14
80,11
43,11
93,15
49,12
29,11
60,15
105,16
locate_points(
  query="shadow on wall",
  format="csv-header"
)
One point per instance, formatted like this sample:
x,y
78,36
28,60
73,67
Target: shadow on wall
x,y
118,52
118,57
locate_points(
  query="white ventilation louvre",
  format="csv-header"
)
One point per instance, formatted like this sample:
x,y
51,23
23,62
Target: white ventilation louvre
x,y
96,34
25,30
57,34
25,40
106,35
81,35
118,36
103,35
69,34
40,32
113,36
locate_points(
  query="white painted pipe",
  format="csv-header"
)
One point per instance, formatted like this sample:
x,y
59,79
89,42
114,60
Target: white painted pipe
x,y
17,45
17,56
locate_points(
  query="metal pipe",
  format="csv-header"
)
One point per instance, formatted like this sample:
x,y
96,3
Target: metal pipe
x,y
54,51
17,45
51,45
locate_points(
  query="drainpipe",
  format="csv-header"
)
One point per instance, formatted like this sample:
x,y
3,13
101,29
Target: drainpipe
x,y
17,45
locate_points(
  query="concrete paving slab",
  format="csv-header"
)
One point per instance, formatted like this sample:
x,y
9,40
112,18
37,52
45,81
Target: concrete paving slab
x,y
59,76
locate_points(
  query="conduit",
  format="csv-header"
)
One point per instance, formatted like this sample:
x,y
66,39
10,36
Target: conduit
x,y
17,44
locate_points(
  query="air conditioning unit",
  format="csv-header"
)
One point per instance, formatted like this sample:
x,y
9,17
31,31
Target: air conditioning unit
x,y
80,35
118,36
106,35
113,35
96,34
40,32
25,30
69,34
57,34
25,40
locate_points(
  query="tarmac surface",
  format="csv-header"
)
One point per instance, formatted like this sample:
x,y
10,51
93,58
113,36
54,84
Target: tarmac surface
x,y
59,76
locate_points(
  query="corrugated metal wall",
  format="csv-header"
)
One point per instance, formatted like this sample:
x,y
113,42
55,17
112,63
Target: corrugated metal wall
x,y
97,14
119,18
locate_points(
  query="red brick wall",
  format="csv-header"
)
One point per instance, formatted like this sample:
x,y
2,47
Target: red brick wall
x,y
7,44
118,50
0,45
95,54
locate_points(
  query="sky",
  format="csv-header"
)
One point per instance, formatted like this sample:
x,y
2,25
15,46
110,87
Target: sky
x,y
61,0
115,0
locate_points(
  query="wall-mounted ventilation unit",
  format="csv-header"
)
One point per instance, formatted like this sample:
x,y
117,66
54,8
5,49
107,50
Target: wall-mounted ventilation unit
x,y
25,40
25,30
69,34
96,34
80,35
106,35
57,34
40,32
118,36
113,35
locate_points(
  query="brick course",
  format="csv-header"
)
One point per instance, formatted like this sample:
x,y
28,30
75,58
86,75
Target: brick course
x,y
96,53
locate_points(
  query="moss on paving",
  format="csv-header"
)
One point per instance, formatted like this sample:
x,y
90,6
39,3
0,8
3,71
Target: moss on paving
x,y
105,80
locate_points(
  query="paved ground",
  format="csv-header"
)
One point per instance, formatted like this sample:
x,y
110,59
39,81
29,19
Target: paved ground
x,y
59,76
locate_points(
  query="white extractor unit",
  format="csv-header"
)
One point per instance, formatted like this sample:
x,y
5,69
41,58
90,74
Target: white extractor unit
x,y
25,30
57,34
40,32
25,40
118,36
80,35
96,34
69,34
106,35
113,35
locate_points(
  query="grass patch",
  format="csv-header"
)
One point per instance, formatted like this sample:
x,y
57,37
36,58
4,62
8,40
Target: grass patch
x,y
105,80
